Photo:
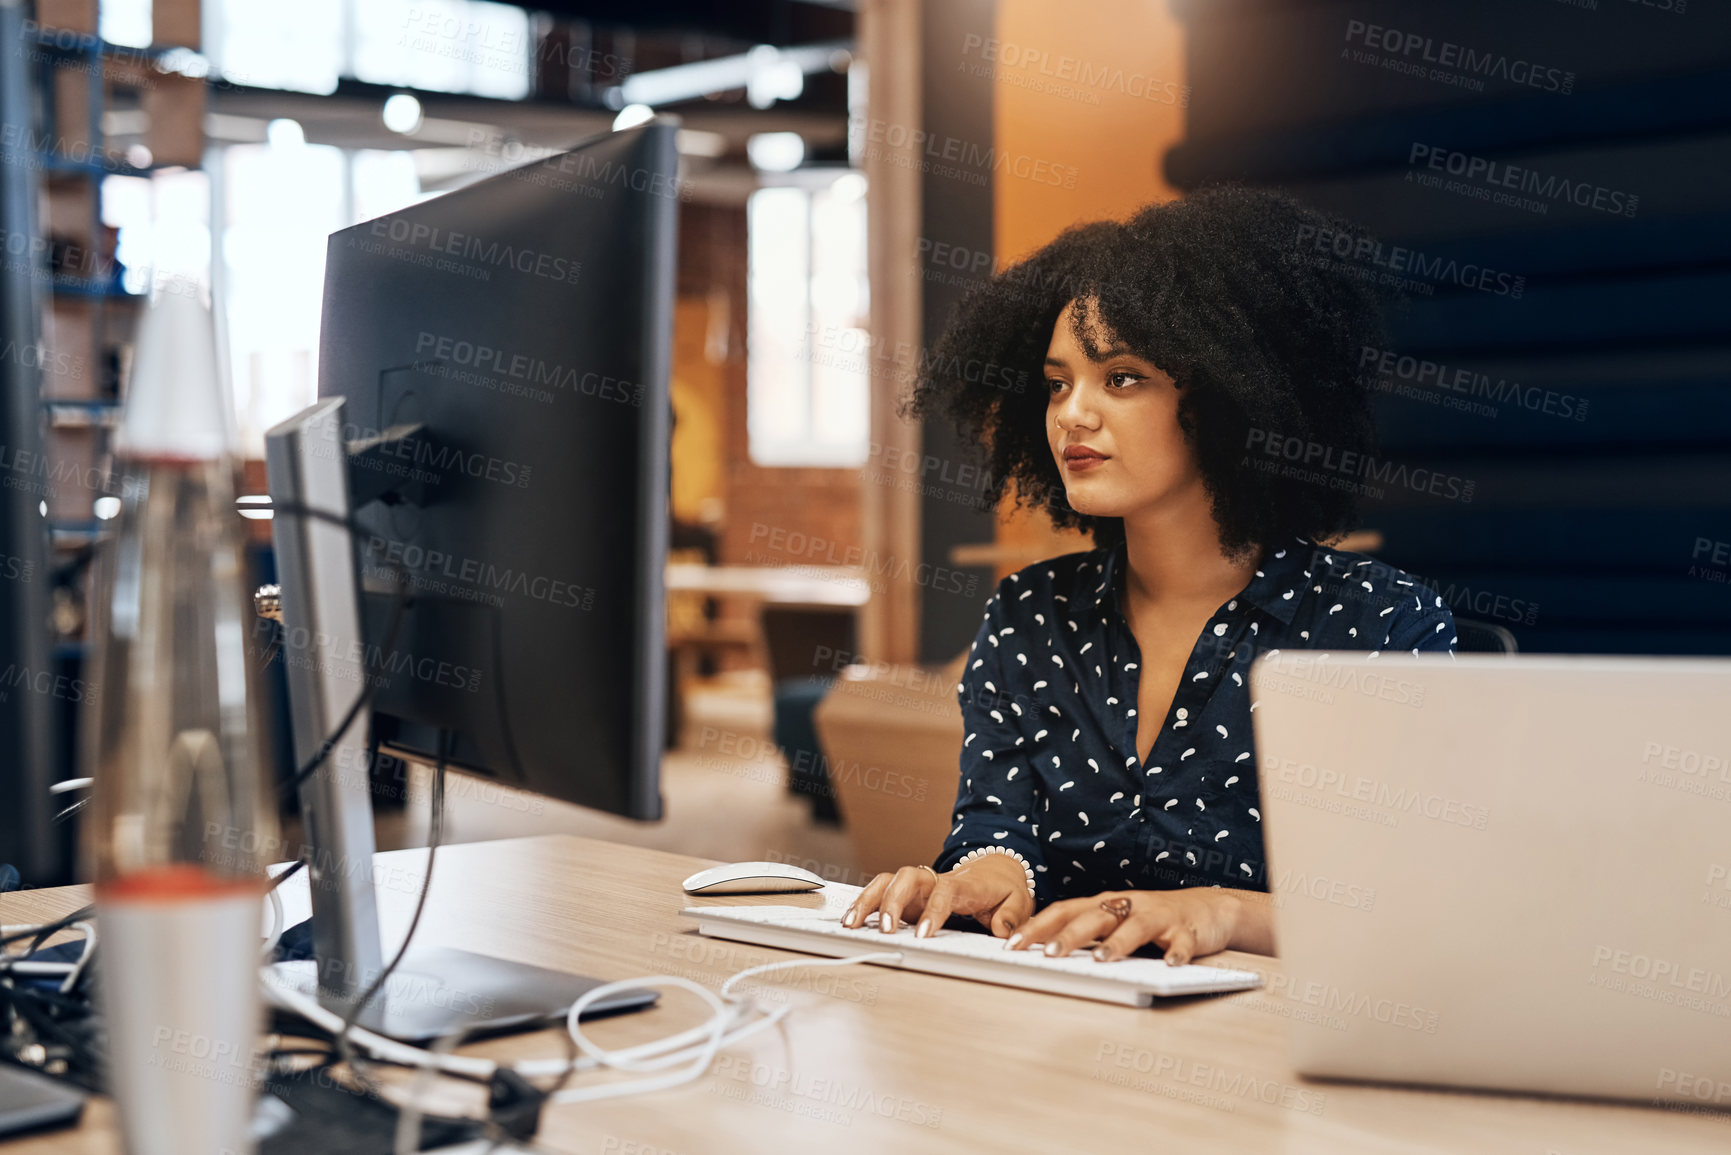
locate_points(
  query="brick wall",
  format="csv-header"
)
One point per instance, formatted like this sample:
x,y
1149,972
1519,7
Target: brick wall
x,y
821,504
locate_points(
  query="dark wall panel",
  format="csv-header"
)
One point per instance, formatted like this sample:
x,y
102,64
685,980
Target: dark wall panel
x,y
956,212
1561,254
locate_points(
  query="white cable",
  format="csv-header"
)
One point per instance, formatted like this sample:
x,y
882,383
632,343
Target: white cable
x,y
700,1055
17,964
663,1053
388,1049
89,930
720,1030
38,968
276,925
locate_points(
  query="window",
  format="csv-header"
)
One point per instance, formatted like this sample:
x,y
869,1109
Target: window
x,y
281,206
275,208
439,45
808,396
292,44
125,22
444,46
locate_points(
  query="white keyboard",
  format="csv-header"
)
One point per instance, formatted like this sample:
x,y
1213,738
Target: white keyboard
x,y
962,954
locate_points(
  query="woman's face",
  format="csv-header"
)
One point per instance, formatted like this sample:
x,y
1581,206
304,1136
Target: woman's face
x,y
1112,425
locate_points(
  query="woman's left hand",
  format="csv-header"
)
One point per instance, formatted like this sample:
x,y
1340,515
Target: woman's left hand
x,y
1184,923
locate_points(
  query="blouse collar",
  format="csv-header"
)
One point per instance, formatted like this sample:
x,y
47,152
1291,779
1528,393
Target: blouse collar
x,y
1276,588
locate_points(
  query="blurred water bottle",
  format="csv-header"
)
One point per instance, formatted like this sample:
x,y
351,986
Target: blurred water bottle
x,y
179,816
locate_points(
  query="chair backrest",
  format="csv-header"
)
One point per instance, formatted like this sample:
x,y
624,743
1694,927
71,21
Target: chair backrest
x,y
804,643
893,737
1477,637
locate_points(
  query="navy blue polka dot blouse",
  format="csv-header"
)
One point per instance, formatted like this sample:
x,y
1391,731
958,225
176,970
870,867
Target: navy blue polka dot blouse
x,y
1048,697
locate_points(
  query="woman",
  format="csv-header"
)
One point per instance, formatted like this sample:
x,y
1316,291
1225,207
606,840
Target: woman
x,y
1108,776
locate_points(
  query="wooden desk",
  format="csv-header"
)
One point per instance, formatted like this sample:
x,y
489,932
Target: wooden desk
x,y
876,1060
789,585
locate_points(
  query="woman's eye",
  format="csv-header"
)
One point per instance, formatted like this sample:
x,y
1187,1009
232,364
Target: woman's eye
x,y
1053,384
1123,380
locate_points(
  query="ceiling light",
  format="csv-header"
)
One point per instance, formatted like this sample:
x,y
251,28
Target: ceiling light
x,y
285,133
402,113
775,151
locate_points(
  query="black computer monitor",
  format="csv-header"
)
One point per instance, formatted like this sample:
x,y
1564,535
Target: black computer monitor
x,y
494,422
524,322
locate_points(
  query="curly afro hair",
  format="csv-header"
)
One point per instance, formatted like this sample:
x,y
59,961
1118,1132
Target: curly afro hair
x,y
1223,291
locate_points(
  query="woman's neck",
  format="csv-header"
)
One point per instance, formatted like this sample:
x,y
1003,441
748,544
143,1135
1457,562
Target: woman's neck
x,y
1174,558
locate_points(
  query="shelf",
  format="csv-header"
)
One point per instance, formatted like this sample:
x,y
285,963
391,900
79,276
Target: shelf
x,y
87,288
72,534
79,414
85,44
60,165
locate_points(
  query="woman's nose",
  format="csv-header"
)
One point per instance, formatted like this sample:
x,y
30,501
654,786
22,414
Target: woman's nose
x,y
1076,408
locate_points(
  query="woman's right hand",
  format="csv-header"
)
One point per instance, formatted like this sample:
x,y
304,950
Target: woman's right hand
x,y
993,888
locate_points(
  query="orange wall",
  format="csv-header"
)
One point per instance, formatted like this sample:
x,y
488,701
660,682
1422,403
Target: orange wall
x,y
1103,50
699,388
1097,87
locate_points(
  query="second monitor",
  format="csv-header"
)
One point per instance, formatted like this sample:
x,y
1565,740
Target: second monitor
x,y
495,412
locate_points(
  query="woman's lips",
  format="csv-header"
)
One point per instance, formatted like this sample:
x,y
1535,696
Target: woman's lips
x,y
1082,460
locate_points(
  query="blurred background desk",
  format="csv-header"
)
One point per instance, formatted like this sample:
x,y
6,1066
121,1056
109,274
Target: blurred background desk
x,y
799,623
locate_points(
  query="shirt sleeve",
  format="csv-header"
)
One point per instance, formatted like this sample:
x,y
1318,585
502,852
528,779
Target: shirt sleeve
x,y
997,796
1422,623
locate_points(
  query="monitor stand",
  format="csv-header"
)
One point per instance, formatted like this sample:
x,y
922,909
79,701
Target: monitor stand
x,y
435,990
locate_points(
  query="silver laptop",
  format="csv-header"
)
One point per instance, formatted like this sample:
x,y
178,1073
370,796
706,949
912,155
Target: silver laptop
x,y
1502,871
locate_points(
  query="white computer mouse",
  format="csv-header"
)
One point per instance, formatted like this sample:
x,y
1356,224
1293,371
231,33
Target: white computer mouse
x,y
751,878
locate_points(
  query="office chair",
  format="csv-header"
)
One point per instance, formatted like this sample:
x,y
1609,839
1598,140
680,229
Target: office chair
x,y
802,644
1477,637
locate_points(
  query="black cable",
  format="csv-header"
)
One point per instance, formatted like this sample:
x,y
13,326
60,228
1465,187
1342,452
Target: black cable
x,y
285,875
499,703
370,684
48,929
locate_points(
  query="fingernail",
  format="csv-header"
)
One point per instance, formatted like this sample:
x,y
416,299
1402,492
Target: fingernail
x,y
1051,948
1010,943
847,916
1100,954
886,923
925,928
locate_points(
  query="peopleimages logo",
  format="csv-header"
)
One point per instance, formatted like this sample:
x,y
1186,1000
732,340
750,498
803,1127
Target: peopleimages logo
x,y
1318,670
1435,375
1350,464
1342,245
945,155
1066,75
473,248
1509,176
47,683
1398,586
431,565
442,460
1358,788
484,358
855,350
1467,61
